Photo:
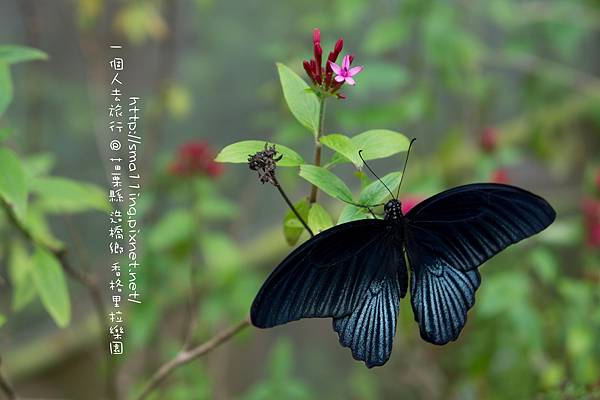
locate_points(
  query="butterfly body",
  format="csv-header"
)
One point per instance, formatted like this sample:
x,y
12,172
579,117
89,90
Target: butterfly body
x,y
357,272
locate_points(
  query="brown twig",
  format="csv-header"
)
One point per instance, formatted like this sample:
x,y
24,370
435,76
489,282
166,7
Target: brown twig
x,y
6,387
186,356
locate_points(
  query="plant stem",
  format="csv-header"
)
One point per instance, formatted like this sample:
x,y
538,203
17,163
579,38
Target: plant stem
x,y
318,146
186,356
289,203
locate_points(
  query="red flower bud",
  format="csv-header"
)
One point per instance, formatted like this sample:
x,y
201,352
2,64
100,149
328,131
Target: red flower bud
x,y
337,49
489,139
318,58
316,35
307,68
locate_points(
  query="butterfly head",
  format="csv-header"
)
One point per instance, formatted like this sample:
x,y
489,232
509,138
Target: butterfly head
x,y
392,210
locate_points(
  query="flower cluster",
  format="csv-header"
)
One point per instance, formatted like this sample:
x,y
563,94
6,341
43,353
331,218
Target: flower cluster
x,y
265,162
323,78
195,158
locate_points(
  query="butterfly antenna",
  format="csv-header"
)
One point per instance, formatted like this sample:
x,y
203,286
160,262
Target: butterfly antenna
x,y
360,205
378,178
405,163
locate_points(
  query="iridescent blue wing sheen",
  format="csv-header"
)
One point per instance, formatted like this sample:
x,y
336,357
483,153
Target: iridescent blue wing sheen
x,y
369,330
449,235
324,277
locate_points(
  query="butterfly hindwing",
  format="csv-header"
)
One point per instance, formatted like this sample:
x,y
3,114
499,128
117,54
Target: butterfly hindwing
x,y
449,235
440,297
324,277
369,330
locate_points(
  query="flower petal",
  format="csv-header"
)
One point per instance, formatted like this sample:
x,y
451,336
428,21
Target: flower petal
x,y
349,81
346,62
354,71
339,78
335,68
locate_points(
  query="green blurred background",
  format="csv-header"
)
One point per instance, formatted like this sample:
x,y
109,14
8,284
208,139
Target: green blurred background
x,y
493,91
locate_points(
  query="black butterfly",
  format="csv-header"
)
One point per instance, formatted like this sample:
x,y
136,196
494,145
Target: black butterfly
x,y
356,272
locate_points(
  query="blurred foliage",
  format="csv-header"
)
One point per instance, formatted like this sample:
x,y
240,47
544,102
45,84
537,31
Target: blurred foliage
x,y
442,72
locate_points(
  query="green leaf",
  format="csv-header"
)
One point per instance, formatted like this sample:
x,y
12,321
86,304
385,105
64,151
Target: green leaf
x,y
377,143
326,181
61,195
319,219
36,223
5,133
11,54
19,271
345,146
240,151
38,164
13,184
351,213
376,192
6,88
49,280
302,103
2,319
292,227
380,143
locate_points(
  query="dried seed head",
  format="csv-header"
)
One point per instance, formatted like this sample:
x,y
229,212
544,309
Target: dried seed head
x,y
265,163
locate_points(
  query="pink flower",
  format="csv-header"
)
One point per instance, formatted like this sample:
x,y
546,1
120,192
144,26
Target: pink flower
x,y
345,73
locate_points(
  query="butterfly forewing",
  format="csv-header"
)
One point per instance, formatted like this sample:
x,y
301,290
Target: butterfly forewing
x,y
451,234
324,277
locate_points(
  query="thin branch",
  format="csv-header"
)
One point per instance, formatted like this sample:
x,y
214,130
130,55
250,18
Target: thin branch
x,y
6,387
186,356
318,146
85,280
291,206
